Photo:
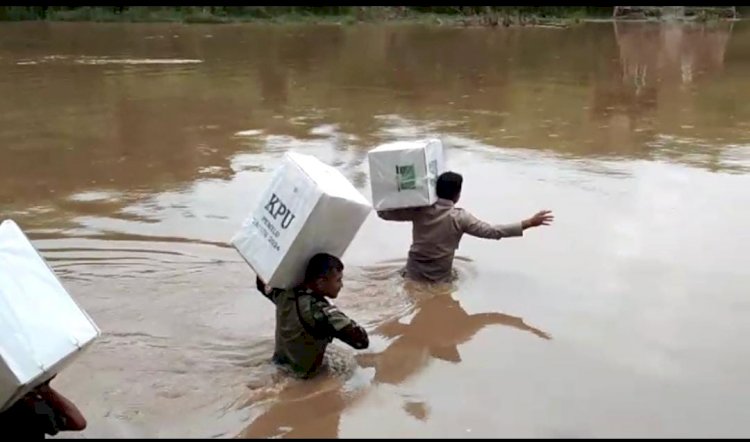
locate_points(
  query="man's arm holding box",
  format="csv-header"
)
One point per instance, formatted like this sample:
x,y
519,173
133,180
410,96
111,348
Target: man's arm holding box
x,y
265,290
407,214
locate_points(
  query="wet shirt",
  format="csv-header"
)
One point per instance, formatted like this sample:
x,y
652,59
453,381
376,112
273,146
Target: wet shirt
x,y
305,324
436,234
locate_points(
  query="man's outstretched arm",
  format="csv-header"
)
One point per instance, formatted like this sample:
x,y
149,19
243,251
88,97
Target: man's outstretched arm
x,y
473,226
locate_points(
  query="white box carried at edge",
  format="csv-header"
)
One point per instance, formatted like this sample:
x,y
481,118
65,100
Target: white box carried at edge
x,y
403,173
42,329
309,207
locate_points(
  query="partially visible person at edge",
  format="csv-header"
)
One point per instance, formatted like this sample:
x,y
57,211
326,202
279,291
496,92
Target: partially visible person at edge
x,y
306,322
437,230
42,411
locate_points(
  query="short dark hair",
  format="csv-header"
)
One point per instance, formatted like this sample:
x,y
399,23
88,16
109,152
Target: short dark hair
x,y
321,265
449,185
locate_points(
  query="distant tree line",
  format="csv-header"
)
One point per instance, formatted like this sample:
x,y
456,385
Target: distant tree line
x,y
88,12
232,13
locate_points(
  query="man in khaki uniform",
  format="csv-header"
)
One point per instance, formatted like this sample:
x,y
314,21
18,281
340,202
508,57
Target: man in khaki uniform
x,y
437,230
306,322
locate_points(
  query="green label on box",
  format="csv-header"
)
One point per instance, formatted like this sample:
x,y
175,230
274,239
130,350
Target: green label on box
x,y
406,177
433,172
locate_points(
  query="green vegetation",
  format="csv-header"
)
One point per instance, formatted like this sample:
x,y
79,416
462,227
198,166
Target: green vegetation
x,y
466,15
455,15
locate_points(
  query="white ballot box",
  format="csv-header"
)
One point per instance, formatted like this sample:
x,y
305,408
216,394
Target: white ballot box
x,y
309,207
403,173
42,328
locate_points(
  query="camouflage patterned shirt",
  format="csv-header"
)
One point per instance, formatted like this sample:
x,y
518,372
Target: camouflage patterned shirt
x,y
305,324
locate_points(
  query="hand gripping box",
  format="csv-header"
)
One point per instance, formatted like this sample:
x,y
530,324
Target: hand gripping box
x,y
42,329
403,173
309,207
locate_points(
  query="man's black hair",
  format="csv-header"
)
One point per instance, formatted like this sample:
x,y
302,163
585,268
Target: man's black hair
x,y
449,185
321,265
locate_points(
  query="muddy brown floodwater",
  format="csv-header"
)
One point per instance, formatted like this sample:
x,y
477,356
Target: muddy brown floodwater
x,y
130,153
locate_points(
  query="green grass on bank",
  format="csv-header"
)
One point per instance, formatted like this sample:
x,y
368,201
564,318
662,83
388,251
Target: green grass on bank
x,y
489,15
460,15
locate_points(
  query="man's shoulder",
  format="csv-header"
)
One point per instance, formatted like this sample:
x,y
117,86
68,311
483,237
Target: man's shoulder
x,y
458,212
309,303
322,311
283,295
319,306
461,212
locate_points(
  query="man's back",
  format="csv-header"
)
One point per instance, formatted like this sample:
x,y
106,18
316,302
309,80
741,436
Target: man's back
x,y
436,234
305,324
297,344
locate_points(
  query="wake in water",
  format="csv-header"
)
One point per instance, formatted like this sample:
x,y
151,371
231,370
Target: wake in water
x,y
209,352
376,296
290,407
105,60
89,60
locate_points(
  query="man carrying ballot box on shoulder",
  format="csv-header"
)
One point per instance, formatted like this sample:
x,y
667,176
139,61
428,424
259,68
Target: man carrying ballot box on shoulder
x,y
306,322
437,230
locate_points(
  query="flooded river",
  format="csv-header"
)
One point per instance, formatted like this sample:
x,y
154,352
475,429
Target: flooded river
x,y
131,153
